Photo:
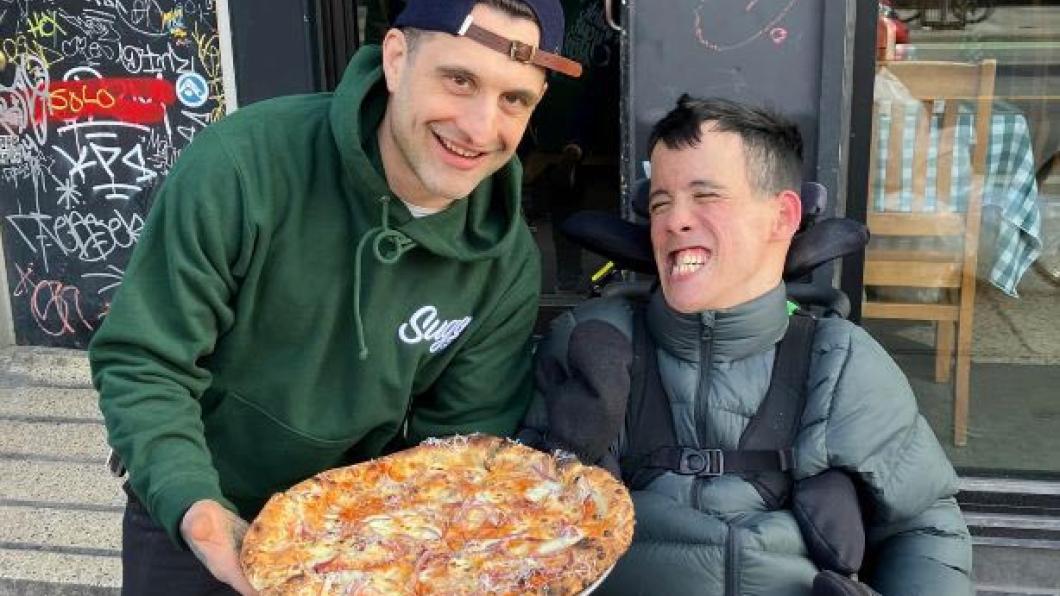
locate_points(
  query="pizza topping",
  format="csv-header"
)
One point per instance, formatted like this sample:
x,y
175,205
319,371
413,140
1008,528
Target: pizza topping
x,y
599,503
569,537
350,582
546,472
541,491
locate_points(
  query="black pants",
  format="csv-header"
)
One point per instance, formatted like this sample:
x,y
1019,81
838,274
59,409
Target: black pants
x,y
153,565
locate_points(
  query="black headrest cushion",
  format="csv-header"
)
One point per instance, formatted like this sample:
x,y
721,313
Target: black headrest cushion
x,y
626,243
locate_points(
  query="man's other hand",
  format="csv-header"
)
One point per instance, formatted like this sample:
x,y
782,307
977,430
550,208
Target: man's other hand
x,y
215,535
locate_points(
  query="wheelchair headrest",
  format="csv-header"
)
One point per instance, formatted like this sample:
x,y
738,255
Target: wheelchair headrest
x,y
628,244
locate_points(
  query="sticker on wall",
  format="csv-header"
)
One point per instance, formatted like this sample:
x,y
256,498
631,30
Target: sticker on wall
x,y
192,89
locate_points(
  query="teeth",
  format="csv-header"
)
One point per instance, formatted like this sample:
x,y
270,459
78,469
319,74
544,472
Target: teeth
x,y
457,150
688,261
682,269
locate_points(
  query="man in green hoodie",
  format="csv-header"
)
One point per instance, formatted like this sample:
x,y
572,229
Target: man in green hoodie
x,y
326,277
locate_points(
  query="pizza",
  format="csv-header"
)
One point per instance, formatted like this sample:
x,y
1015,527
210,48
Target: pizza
x,y
463,515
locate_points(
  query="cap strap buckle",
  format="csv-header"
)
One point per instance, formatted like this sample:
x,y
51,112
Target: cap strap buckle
x,y
519,51
522,52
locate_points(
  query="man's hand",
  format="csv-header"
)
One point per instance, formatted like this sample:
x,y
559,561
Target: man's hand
x,y
215,535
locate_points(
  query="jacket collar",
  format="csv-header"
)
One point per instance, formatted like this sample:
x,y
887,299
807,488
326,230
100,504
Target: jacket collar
x,y
734,333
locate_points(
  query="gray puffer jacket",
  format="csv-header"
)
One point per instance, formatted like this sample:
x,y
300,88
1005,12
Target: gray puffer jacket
x,y
717,536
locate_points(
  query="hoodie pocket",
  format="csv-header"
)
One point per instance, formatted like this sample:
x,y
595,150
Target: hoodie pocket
x,y
257,454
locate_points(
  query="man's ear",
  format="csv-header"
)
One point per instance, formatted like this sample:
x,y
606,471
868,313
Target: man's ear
x,y
395,57
789,215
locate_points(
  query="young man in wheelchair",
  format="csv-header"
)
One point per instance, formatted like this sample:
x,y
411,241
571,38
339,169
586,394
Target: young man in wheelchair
x,y
767,451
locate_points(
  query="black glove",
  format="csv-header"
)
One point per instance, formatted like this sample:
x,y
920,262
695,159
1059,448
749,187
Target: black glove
x,y
828,511
587,407
830,583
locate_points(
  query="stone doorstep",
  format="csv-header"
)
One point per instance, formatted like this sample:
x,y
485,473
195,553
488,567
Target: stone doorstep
x,y
60,511
46,440
16,587
1013,591
61,405
49,367
58,569
60,531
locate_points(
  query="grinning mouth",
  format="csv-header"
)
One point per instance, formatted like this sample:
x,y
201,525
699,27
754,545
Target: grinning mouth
x,y
687,261
457,150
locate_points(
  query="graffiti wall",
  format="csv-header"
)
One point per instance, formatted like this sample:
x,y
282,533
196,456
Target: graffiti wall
x,y
97,99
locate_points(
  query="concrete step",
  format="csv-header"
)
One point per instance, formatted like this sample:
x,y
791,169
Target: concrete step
x,y
49,548
60,402
60,511
59,482
16,587
73,439
25,366
1016,567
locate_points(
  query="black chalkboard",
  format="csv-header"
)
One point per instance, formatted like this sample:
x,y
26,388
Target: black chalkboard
x,y
764,52
97,99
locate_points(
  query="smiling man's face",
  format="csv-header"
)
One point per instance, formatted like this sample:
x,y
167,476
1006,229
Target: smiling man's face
x,y
717,240
457,109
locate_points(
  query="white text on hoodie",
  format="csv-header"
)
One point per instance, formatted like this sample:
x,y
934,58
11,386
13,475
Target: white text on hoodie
x,y
424,325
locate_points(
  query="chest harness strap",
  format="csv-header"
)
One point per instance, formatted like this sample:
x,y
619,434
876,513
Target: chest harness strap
x,y
765,456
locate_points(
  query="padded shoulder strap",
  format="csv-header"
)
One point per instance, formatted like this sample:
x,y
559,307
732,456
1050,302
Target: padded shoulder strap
x,y
649,422
774,425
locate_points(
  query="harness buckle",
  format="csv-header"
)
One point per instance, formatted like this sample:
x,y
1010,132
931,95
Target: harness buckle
x,y
701,462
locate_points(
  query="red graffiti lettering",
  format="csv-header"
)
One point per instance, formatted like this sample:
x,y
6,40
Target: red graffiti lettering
x,y
136,100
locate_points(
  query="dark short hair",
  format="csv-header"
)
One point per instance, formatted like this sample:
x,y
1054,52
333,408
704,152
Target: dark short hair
x,y
513,8
772,143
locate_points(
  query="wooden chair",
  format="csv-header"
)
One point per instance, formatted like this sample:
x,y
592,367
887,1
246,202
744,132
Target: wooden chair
x,y
951,267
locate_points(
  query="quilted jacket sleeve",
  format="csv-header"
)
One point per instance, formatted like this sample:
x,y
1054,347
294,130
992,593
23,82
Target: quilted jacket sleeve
x,y
918,543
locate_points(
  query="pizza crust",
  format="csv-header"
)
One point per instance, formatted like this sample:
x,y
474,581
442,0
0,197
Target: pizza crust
x,y
467,514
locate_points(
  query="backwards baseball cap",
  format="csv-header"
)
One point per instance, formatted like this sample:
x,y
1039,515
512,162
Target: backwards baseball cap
x,y
454,17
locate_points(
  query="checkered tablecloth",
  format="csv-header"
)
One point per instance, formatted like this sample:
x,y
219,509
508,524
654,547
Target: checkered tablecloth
x,y
1010,187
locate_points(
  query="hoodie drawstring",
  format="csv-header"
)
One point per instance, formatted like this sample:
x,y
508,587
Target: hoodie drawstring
x,y
399,245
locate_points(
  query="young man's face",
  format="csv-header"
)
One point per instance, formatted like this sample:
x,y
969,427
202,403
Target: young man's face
x,y
718,242
457,108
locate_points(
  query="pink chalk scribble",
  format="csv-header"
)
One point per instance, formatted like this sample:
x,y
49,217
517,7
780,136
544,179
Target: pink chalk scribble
x,y
743,30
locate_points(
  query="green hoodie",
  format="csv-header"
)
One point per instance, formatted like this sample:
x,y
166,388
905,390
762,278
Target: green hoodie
x,y
229,365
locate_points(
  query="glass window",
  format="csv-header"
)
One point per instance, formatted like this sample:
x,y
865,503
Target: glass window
x,y
962,278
